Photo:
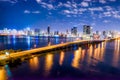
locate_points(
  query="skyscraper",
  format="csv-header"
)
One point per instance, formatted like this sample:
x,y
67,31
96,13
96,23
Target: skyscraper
x,y
48,30
87,32
74,31
37,31
87,29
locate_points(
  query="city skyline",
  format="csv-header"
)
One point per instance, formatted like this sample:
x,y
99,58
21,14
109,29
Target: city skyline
x,y
59,14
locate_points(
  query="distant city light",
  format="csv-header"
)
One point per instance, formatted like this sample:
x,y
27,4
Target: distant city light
x,y
87,34
28,28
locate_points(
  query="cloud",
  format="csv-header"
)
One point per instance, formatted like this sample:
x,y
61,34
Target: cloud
x,y
60,4
82,9
38,1
25,0
72,12
77,9
96,9
66,11
74,5
74,15
93,24
102,1
111,14
112,0
115,12
28,12
49,13
84,4
50,6
36,12
106,21
116,16
67,5
108,8
68,16
87,0
47,5
107,14
10,1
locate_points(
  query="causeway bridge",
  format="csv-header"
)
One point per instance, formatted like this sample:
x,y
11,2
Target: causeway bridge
x,y
49,48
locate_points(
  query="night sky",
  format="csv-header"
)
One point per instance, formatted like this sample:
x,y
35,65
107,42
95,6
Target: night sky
x,y
60,14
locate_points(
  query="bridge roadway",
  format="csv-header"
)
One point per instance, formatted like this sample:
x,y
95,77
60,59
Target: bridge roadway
x,y
47,48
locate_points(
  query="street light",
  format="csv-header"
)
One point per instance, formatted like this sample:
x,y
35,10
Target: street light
x,y
7,54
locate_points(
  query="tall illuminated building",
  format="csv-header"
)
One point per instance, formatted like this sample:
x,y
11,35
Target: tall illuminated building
x,y
56,32
87,29
87,32
37,32
74,31
48,30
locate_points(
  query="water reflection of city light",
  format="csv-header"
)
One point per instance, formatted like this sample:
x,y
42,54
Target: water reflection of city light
x,y
83,54
9,74
90,52
116,53
62,42
8,40
102,50
3,74
28,42
56,40
14,36
62,54
98,54
34,46
48,63
37,42
49,43
34,63
77,56
14,40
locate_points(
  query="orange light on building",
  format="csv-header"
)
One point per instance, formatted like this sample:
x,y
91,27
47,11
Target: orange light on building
x,y
95,36
49,43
